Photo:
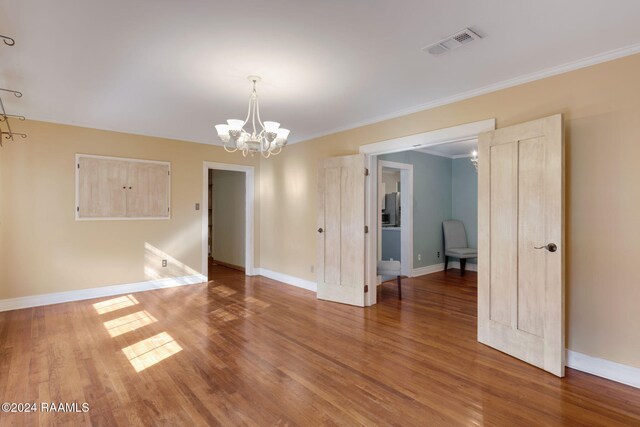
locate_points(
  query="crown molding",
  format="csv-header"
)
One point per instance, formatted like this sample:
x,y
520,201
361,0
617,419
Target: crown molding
x,y
494,87
46,119
433,153
436,153
526,78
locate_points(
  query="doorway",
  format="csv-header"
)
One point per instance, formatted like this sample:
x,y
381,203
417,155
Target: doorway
x,y
440,185
395,204
462,134
520,222
226,210
227,217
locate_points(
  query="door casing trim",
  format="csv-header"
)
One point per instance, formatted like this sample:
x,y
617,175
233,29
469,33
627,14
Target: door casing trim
x,y
464,132
248,205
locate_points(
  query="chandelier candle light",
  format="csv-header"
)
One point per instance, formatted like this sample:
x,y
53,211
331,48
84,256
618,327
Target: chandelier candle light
x,y
474,159
269,141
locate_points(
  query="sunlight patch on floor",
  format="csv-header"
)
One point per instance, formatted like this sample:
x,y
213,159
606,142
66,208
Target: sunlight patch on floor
x,y
114,304
150,351
223,315
255,301
129,323
222,291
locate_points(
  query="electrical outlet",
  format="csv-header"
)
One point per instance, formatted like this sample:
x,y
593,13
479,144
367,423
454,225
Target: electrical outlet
x,y
419,257
312,269
164,262
197,206
438,254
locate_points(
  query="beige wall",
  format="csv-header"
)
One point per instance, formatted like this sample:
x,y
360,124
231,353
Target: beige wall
x,y
228,216
601,106
45,250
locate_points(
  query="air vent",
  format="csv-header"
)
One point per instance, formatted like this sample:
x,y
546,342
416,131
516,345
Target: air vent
x,y
452,42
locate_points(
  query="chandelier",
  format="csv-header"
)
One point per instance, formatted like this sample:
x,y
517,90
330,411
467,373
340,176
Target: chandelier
x,y
474,159
268,141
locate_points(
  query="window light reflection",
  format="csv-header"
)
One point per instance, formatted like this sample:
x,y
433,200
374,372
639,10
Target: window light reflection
x,y
114,304
150,351
129,323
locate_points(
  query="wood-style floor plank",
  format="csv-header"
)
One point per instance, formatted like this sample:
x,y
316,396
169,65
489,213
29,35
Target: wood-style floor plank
x,y
252,351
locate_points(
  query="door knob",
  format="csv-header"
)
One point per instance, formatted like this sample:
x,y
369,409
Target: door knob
x,y
551,247
320,230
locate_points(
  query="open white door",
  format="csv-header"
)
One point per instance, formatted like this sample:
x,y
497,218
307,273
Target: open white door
x,y
521,242
341,229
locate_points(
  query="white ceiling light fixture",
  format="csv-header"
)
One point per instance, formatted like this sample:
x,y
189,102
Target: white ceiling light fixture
x,y
268,141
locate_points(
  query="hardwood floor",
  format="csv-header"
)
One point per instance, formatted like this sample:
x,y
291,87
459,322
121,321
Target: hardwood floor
x,y
253,351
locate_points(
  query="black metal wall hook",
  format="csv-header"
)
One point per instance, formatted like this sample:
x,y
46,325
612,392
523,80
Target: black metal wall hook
x,y
4,117
7,40
14,92
10,135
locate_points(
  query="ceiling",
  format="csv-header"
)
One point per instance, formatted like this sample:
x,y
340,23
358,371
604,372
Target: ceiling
x,y
452,150
176,68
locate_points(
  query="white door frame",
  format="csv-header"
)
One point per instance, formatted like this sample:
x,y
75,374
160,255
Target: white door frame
x,y
248,204
406,215
463,132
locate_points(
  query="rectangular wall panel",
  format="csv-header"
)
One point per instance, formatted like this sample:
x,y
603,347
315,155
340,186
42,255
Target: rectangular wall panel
x,y
352,244
332,232
504,231
531,234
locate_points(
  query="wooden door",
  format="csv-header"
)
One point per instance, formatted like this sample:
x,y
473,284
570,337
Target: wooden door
x,y
101,187
341,229
148,190
521,242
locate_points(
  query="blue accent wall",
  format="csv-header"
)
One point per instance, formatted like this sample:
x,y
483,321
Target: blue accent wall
x,y
442,189
431,202
464,198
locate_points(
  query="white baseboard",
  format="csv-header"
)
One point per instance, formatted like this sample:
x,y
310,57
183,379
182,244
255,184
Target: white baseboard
x,y
421,271
289,280
103,291
613,371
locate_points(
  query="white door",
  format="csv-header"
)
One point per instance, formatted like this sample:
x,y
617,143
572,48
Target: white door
x,y
521,242
341,229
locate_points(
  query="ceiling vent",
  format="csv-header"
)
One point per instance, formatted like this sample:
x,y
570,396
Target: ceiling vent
x,y
452,42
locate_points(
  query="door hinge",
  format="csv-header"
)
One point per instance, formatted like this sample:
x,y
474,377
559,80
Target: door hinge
x,y
366,229
168,172
366,171
78,165
366,288
77,208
